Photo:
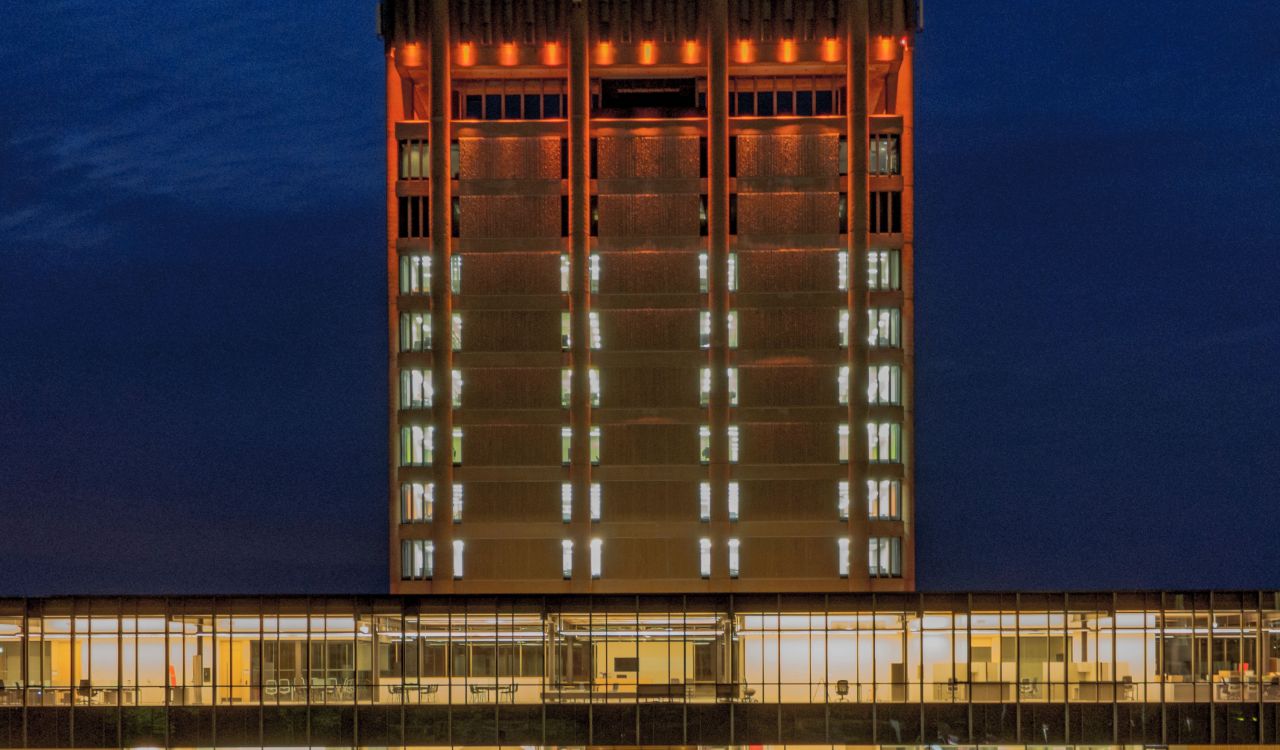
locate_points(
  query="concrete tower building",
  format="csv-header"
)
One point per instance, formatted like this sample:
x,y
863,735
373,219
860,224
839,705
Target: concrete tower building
x,y
650,295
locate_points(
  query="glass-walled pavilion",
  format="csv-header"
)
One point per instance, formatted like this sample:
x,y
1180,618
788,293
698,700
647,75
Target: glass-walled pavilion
x,y
1094,668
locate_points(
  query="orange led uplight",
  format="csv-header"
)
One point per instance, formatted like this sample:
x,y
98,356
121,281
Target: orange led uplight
x,y
830,50
605,53
466,54
689,53
648,53
745,53
885,49
551,53
508,55
787,51
412,54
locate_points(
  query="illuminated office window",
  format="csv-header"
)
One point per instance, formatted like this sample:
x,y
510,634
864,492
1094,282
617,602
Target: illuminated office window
x,y
414,160
884,384
415,331
704,443
566,386
566,502
704,501
415,502
457,502
704,272
458,546
884,557
597,546
842,384
415,445
566,330
457,446
595,501
704,329
844,328
456,339
882,156
565,273
842,556
884,327
884,270
884,442
457,388
704,557
842,158
733,501
566,558
704,396
416,563
455,273
415,388
733,558
415,274
842,500
566,443
884,498
842,436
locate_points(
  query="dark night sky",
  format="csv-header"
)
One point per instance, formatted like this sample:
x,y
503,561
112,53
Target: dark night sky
x,y
192,365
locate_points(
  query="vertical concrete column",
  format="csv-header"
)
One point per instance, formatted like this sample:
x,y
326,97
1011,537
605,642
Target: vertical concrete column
x,y
395,112
441,228
718,278
856,31
906,107
580,291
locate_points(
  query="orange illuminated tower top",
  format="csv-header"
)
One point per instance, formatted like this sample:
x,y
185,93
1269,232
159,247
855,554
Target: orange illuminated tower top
x,y
650,314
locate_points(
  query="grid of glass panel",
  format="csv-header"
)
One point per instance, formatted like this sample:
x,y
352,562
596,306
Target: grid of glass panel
x,y
915,648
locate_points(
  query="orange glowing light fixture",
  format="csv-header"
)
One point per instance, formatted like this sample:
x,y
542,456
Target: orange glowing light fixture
x,y
787,51
604,53
689,53
648,53
745,52
885,50
830,50
466,54
551,53
412,55
508,55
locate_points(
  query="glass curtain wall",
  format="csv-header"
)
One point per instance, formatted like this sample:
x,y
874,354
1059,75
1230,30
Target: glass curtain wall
x,y
930,649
